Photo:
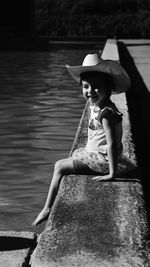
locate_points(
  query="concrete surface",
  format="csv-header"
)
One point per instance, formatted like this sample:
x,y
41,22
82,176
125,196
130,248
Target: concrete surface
x,y
97,223
135,59
16,248
141,56
110,51
135,42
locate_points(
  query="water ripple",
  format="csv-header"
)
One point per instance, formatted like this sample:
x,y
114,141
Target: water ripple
x,y
40,108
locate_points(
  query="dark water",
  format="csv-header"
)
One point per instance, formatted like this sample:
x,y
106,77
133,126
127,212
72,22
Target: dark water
x,y
40,108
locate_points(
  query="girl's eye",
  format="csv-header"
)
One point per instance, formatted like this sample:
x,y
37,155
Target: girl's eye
x,y
85,86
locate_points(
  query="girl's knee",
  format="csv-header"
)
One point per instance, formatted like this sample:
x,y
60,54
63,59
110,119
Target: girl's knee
x,y
59,166
64,166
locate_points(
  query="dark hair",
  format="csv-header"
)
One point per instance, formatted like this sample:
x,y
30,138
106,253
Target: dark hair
x,y
106,77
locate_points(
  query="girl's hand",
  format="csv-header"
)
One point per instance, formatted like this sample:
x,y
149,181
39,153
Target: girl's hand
x,y
106,177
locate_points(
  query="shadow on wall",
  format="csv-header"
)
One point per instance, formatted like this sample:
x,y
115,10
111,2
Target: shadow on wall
x,y
138,100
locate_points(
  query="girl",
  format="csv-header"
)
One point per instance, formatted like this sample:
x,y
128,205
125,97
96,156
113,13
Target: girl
x,y
99,79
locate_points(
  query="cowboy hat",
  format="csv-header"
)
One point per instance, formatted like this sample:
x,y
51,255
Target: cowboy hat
x,y
93,62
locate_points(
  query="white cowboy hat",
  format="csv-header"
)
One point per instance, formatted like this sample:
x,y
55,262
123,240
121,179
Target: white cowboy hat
x,y
93,62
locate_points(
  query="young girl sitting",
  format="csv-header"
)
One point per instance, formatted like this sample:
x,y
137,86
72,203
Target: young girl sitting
x,y
99,79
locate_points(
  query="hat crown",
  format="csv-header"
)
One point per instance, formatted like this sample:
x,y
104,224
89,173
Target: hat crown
x,y
91,60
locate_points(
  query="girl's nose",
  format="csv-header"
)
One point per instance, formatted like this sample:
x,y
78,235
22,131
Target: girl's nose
x,y
90,89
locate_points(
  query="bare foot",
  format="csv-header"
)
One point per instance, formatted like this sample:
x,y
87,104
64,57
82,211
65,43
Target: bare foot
x,y
43,215
103,178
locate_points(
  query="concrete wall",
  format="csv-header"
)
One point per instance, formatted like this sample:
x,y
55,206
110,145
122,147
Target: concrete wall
x,y
97,223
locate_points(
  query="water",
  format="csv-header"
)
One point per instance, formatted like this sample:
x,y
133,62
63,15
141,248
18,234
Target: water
x,y
40,109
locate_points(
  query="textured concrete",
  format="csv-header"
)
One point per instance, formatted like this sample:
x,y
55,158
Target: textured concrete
x,y
135,59
15,248
141,55
110,51
97,223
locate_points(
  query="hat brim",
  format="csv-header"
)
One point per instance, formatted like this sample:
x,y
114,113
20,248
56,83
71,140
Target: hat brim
x,y
121,80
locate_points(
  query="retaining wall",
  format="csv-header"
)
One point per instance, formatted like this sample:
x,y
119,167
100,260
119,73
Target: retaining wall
x,y
97,223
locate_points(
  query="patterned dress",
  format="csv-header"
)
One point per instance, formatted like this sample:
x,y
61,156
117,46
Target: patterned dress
x,y
95,152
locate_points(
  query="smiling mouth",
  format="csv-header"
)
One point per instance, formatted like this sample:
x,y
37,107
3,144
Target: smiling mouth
x,y
94,97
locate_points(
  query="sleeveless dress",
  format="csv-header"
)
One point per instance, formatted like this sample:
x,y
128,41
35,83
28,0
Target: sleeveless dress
x,y
94,154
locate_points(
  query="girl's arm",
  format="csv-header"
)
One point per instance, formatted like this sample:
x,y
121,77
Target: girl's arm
x,y
111,149
111,146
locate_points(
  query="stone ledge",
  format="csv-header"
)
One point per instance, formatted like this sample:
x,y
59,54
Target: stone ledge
x,y
97,224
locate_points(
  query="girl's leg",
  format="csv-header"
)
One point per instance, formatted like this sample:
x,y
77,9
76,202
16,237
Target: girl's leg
x,y
62,167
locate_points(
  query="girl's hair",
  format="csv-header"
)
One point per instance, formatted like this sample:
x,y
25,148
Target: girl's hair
x,y
106,78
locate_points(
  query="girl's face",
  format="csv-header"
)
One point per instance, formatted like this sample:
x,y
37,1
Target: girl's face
x,y
94,89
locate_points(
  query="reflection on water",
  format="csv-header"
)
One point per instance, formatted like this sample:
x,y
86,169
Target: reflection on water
x,y
40,108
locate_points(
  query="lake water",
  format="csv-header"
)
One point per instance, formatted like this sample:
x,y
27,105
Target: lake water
x,y
40,109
